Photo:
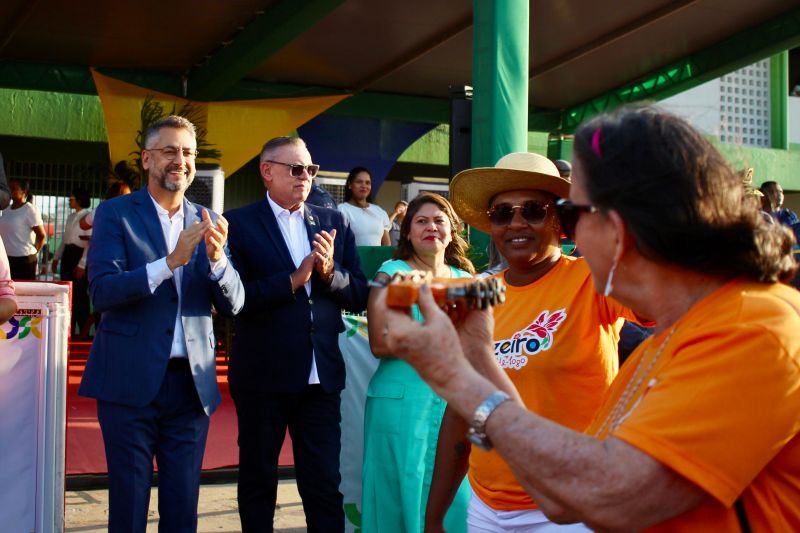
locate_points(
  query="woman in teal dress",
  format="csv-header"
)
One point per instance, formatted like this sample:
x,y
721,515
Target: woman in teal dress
x,y
402,414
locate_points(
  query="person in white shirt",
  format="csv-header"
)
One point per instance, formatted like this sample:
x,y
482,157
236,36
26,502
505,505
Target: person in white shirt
x,y
369,222
22,231
70,252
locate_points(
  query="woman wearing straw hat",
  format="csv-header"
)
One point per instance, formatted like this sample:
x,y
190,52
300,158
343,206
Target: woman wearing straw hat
x,y
700,430
555,337
402,414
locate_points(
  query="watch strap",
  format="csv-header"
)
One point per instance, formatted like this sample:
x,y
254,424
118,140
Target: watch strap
x,y
477,428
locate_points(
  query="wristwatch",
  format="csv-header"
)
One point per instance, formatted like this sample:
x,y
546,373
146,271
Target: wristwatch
x,y
477,428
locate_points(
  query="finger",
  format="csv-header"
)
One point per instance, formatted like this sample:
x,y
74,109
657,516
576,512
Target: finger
x,y
222,225
324,238
427,305
204,214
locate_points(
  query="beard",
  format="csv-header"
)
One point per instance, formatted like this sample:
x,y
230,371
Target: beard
x,y
161,178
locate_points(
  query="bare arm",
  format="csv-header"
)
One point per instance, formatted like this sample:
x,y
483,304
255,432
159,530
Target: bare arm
x,y
377,321
452,463
7,309
385,240
38,232
609,484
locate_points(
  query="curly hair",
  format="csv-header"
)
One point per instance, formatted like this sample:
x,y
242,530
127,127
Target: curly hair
x,y
680,199
456,252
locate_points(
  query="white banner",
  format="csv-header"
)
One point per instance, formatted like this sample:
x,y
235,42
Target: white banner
x,y
33,354
360,364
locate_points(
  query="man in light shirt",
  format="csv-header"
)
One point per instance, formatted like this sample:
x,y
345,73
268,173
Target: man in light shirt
x,y
70,253
300,268
156,264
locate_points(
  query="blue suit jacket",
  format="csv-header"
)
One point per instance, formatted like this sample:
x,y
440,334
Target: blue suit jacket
x,y
132,344
275,333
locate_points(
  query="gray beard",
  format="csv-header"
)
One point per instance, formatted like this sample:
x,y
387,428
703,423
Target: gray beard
x,y
162,181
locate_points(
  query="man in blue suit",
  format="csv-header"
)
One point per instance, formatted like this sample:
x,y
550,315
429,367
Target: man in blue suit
x,y
299,268
156,264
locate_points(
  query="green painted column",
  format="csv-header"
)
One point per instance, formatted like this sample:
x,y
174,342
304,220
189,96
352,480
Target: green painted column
x,y
779,100
500,83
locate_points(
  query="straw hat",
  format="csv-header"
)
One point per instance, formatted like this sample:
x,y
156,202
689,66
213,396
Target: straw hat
x,y
472,189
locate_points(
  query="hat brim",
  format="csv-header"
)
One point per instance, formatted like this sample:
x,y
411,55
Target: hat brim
x,y
471,190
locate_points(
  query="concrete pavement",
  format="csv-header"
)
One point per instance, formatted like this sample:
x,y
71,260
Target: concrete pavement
x,y
87,510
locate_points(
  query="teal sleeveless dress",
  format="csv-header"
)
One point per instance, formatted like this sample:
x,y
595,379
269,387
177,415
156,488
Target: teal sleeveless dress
x,y
401,427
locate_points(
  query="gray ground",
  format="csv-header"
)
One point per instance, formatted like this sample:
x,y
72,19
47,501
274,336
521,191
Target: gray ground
x,y
87,510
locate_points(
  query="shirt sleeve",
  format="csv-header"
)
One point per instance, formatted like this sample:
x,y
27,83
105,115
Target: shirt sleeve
x,y
387,224
35,218
157,273
218,268
721,409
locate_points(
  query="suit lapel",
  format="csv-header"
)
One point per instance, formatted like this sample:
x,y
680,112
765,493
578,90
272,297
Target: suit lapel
x,y
148,216
273,231
312,225
190,215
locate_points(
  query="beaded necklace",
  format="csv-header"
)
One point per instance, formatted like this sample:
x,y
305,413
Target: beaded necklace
x,y
620,410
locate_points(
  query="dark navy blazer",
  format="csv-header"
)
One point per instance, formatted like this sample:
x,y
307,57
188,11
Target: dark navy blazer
x,y
275,333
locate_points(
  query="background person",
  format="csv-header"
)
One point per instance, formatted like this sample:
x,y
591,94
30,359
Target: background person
x,y
300,269
369,222
319,196
396,220
554,337
157,263
773,200
5,192
8,299
22,231
118,188
402,413
681,442
70,252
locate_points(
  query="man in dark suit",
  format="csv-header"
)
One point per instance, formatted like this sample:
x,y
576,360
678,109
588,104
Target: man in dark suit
x,y
156,264
300,268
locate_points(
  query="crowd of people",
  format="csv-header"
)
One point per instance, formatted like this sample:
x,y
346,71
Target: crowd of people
x,y
516,418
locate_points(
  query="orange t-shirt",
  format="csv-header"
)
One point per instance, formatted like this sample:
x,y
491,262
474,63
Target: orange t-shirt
x,y
557,340
721,406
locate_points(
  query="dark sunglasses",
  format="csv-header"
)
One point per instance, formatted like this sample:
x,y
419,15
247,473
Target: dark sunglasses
x,y
532,211
297,170
569,213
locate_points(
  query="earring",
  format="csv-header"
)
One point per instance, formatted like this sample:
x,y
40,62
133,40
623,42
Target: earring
x,y
610,279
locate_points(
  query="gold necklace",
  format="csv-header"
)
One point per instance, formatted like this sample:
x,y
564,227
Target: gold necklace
x,y
620,411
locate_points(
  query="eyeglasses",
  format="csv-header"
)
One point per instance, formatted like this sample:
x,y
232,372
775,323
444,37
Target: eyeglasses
x,y
171,153
297,170
532,211
569,214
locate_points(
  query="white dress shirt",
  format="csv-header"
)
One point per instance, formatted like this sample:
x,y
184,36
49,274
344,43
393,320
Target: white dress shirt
x,y
158,271
293,229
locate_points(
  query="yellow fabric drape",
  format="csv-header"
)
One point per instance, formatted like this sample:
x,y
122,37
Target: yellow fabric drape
x,y
237,129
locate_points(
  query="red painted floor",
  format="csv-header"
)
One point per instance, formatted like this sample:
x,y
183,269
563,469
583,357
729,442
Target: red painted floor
x,y
85,454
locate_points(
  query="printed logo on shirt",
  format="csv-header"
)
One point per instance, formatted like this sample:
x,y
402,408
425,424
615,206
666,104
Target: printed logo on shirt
x,y
537,337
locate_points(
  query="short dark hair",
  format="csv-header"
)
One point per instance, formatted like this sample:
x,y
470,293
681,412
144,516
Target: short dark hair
x,y
276,142
116,189
680,199
172,121
456,252
355,171
25,185
82,197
